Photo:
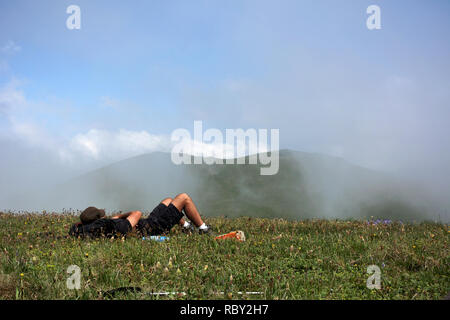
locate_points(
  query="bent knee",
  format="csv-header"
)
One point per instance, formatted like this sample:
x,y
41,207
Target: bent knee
x,y
167,201
183,196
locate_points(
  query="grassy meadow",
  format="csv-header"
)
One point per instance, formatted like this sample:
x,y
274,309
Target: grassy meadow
x,y
310,259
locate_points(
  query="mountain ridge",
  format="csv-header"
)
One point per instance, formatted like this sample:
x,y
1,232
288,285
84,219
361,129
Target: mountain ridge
x,y
308,185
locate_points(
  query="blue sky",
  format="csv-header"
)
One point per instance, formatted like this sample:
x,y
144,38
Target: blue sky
x,y
378,98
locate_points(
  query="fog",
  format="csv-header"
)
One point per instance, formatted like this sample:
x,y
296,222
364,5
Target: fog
x,y
306,186
367,110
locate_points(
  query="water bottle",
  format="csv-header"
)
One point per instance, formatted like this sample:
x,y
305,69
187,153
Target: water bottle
x,y
156,238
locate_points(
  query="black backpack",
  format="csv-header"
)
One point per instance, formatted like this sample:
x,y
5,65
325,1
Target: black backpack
x,y
98,228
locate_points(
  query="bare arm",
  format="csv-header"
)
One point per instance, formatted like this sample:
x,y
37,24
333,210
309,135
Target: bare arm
x,y
122,216
132,216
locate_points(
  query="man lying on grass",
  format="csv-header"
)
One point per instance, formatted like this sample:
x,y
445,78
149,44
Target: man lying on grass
x,y
167,214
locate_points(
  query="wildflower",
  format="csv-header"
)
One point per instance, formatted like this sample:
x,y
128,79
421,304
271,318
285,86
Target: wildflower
x,y
205,268
414,247
21,274
86,255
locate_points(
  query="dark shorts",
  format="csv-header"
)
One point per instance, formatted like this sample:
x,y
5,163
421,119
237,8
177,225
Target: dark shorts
x,y
121,226
160,220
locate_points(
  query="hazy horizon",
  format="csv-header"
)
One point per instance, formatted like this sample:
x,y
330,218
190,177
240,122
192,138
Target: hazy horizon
x,y
72,101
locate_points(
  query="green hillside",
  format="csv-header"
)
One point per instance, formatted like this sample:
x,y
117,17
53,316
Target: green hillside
x,y
308,259
307,185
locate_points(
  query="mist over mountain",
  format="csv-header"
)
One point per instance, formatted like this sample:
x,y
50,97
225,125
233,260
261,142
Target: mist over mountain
x,y
306,186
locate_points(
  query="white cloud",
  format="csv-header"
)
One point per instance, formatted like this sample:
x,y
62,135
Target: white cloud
x,y
11,98
31,134
13,106
96,146
103,145
109,102
10,48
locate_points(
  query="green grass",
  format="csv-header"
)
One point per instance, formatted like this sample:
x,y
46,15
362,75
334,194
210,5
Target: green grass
x,y
313,259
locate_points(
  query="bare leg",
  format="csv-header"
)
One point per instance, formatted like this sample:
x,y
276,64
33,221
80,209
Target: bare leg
x,y
183,201
167,201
